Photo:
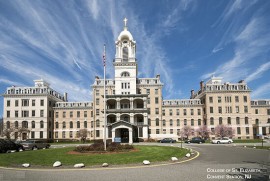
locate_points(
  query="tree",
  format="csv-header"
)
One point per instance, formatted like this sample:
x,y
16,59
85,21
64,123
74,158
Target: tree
x,y
1,126
82,133
203,131
8,132
224,131
186,131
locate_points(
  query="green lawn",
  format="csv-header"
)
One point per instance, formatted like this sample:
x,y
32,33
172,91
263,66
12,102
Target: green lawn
x,y
49,156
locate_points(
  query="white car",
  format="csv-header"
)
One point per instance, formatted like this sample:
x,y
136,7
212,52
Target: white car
x,y
222,141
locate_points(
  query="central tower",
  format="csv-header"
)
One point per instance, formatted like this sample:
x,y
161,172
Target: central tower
x,y
125,64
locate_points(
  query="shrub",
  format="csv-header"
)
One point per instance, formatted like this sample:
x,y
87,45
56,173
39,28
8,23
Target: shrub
x,y
99,147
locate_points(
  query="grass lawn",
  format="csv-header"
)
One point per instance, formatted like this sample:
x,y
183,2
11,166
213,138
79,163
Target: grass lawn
x,y
248,141
49,156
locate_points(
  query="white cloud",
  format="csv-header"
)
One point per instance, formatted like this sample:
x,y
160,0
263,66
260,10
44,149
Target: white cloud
x,y
261,92
258,73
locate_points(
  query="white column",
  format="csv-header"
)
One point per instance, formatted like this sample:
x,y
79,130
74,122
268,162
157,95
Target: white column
x,y
113,134
260,130
132,118
117,104
130,136
145,132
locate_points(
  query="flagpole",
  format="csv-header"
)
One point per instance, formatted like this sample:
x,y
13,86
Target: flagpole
x,y
105,117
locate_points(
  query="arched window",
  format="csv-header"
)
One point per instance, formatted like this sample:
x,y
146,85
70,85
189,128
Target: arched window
x,y
16,124
78,124
33,124
64,125
157,122
70,124
85,124
24,124
125,74
56,125
41,124
220,120
211,121
125,54
163,122
8,124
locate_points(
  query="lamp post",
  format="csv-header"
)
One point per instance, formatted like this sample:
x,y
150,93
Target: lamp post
x,y
105,118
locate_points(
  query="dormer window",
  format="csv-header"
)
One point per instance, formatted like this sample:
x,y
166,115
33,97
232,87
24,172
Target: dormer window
x,y
125,74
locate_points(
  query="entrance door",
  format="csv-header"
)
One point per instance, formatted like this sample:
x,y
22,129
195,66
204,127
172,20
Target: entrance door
x,y
124,134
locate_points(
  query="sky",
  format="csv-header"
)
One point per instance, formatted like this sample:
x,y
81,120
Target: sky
x,y
184,41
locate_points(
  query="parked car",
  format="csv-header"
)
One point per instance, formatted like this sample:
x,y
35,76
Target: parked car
x,y
198,140
222,140
35,144
167,140
8,145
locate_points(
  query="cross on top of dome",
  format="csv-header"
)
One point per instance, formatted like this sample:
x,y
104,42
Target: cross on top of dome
x,y
125,23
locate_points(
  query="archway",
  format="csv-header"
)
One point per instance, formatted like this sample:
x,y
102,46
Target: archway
x,y
122,133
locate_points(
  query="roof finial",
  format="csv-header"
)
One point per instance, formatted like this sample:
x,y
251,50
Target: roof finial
x,y
125,23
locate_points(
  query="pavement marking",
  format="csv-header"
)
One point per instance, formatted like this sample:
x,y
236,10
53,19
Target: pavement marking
x,y
98,169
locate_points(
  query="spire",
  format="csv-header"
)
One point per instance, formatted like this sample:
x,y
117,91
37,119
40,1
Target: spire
x,y
125,23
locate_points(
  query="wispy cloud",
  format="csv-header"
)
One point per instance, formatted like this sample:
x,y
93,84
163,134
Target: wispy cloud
x,y
261,92
258,73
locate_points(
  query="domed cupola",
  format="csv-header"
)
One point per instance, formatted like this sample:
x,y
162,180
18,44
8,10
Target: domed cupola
x,y
125,46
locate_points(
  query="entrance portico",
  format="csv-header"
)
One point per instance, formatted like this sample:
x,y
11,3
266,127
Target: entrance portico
x,y
124,130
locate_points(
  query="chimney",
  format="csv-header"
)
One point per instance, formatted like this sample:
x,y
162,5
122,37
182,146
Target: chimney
x,y
158,76
192,94
241,82
201,85
65,97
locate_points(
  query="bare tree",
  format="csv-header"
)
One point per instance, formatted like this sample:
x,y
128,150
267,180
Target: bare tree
x,y
82,133
224,131
203,131
186,131
8,132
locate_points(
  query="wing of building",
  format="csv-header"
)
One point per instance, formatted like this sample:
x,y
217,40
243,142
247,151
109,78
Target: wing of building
x,y
135,107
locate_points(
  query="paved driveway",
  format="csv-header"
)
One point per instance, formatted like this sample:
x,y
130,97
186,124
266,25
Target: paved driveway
x,y
216,162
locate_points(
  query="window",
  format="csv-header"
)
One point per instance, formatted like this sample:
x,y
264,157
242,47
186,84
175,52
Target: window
x,y
97,101
156,100
78,114
33,102
97,112
157,110
199,112
211,110
32,134
71,114
97,92
177,112
33,113
41,102
268,121
171,112
191,112
245,98
56,134
237,120
56,114
192,122
157,131
56,125
220,110
157,122
237,109
238,130
24,124
149,110
97,133
219,99
171,131
41,113
8,103
16,124
211,121
63,134
220,120
85,124
78,124
85,114
8,114
70,124
247,130
64,114
229,120
268,111
228,99
199,122
148,100
25,102
148,91
33,124
16,103
125,74
163,112
171,122
178,122
246,120
70,134
185,112
257,121
25,113
97,123
210,99
256,111
156,91
64,125
236,99
185,122
41,124
8,124
163,122
245,109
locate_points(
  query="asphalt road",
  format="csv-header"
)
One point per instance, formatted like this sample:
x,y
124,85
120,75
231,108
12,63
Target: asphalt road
x,y
216,162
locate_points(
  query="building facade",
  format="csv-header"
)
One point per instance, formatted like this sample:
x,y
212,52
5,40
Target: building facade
x,y
134,106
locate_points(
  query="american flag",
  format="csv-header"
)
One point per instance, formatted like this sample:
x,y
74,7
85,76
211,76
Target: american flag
x,y
104,56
